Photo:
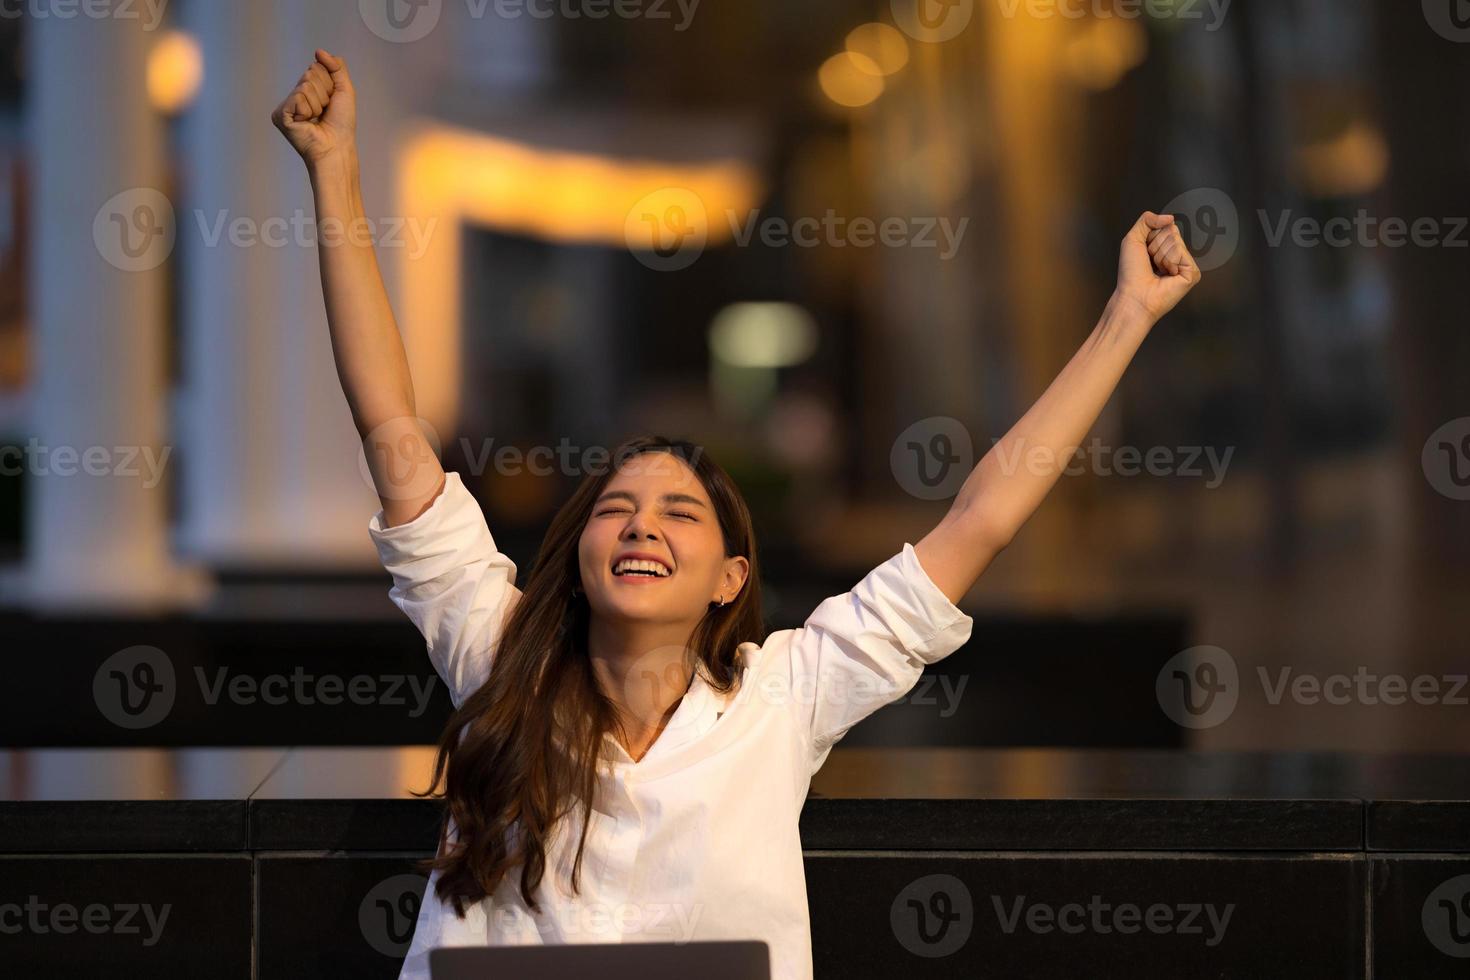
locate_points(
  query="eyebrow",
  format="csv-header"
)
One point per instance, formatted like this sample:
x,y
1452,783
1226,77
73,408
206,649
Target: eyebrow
x,y
668,498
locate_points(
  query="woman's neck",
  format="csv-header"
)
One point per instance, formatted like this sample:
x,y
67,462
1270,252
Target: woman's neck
x,y
644,668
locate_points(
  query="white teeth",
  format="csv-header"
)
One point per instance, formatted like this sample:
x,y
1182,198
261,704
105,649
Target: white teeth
x,y
641,565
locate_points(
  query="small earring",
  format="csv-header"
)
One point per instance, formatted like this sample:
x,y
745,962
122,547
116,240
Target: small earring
x,y
576,592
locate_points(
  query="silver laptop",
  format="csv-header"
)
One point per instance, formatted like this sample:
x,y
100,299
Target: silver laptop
x,y
742,960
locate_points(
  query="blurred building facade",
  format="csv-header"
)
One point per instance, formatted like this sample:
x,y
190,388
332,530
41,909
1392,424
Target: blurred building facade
x,y
1293,400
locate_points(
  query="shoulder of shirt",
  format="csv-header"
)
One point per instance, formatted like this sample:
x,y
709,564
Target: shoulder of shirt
x,y
899,571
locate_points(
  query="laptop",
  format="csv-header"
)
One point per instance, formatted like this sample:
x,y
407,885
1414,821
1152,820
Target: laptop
x,y
739,960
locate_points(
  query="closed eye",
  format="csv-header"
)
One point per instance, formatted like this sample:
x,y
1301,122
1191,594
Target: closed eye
x,y
624,510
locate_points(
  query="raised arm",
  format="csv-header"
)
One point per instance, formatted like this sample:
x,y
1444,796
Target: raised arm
x,y
319,119
1155,271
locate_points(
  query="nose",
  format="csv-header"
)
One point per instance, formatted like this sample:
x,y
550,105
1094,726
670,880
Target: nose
x,y
638,525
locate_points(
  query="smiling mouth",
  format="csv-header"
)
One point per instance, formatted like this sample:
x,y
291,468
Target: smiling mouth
x,y
640,568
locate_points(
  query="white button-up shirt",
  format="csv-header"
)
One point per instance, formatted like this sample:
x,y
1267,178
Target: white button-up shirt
x,y
697,840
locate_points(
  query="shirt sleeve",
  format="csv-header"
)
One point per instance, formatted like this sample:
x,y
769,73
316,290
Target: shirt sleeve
x,y
452,582
867,647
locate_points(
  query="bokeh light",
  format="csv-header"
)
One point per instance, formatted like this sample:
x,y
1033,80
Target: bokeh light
x,y
881,44
175,72
762,335
850,79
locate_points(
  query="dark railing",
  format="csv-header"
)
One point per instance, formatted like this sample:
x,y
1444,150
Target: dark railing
x,y
925,863
290,681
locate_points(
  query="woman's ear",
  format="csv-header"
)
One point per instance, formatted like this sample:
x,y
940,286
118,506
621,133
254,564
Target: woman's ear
x,y
737,569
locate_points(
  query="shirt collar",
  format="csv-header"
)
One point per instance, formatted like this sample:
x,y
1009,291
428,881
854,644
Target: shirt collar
x,y
696,714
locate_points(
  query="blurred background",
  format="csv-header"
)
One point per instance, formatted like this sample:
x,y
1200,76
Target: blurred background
x,y
842,244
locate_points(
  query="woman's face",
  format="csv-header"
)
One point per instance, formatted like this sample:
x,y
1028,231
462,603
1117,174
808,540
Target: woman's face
x,y
656,506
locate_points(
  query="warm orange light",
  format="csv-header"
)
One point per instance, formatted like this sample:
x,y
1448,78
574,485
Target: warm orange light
x,y
1105,50
448,177
851,79
1354,162
564,196
881,44
175,71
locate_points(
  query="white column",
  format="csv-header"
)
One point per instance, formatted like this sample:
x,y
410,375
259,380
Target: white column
x,y
272,478
98,317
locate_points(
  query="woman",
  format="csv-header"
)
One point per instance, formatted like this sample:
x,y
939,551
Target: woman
x,y
628,760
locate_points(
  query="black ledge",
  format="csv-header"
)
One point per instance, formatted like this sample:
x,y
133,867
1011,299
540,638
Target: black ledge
x,y
361,799
77,801
1082,825
1418,825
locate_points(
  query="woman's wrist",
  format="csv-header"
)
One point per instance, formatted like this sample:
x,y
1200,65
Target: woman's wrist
x,y
338,167
335,185
1127,311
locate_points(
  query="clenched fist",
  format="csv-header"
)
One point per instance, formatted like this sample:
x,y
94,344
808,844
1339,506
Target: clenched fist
x,y
319,117
1155,269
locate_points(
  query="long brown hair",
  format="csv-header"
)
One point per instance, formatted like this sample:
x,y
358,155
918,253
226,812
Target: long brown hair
x,y
524,748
